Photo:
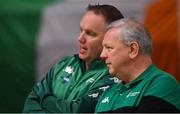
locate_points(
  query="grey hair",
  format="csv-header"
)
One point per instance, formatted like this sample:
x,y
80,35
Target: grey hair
x,y
130,31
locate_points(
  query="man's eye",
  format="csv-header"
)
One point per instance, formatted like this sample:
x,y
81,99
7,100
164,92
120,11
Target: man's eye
x,y
90,33
108,48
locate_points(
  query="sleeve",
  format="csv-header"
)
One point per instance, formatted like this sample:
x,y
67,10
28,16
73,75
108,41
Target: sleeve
x,y
39,91
85,103
162,95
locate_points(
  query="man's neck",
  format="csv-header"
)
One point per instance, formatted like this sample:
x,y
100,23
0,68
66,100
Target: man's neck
x,y
86,66
137,67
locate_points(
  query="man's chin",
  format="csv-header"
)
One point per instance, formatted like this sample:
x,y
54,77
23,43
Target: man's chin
x,y
111,71
83,57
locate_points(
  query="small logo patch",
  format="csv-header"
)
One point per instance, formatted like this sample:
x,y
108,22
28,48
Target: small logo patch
x,y
90,80
132,94
104,87
116,80
94,95
66,79
105,100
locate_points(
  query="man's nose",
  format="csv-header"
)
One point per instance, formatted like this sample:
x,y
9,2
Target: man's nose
x,y
82,38
103,55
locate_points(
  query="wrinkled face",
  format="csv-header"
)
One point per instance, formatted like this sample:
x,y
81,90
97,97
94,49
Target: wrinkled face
x,y
91,35
115,53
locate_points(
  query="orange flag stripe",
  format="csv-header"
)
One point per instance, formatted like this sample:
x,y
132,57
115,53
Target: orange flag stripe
x,y
161,19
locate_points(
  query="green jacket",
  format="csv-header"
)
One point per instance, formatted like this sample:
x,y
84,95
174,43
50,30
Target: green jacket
x,y
153,91
68,87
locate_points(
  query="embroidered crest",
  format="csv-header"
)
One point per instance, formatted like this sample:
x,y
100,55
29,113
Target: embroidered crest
x,y
69,69
66,76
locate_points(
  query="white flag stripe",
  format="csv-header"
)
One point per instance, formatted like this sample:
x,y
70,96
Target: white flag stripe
x,y
60,28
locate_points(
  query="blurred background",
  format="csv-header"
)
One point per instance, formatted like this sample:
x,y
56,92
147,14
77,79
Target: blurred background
x,y
35,34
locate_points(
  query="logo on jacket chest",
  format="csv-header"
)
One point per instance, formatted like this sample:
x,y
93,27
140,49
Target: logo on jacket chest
x,y
69,69
67,73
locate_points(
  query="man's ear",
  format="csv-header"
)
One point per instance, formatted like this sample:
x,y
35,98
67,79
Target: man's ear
x,y
133,50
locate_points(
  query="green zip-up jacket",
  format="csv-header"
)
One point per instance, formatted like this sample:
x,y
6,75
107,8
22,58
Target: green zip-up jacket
x,y
69,88
153,91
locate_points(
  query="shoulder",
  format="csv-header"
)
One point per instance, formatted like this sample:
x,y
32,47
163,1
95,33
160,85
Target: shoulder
x,y
163,82
166,87
160,81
